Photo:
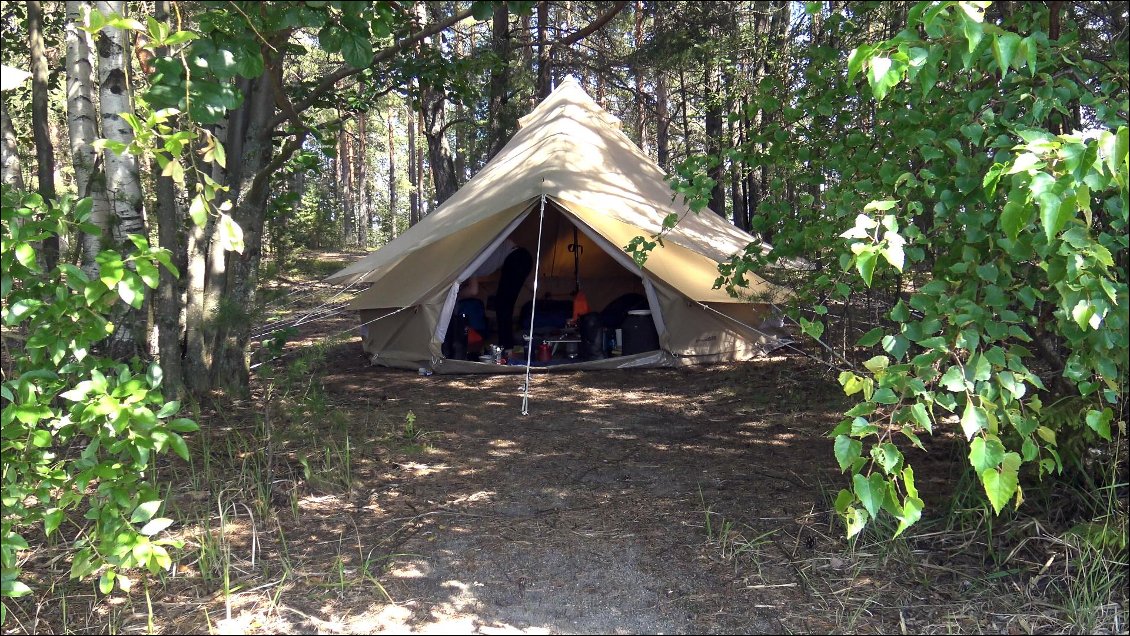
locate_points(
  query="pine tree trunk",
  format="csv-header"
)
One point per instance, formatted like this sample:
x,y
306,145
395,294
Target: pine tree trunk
x,y
433,105
421,175
391,118
44,152
364,204
499,80
82,125
662,121
123,182
714,138
413,175
343,182
10,150
544,51
641,124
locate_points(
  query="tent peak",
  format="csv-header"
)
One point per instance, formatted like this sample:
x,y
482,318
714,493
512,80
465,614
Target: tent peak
x,y
569,97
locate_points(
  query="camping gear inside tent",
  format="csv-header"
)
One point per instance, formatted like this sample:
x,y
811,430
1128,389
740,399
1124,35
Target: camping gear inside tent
x,y
571,189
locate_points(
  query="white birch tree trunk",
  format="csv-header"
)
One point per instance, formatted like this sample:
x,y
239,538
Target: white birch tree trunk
x,y
123,182
82,125
10,151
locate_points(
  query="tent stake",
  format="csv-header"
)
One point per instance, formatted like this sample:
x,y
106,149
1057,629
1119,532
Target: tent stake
x,y
533,312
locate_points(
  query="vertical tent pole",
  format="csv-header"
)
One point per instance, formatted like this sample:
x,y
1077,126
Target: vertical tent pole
x,y
533,312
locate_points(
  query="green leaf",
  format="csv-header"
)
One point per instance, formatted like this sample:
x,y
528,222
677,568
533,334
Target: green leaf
x,y
148,273
231,235
131,290
1014,218
25,254
865,262
155,526
890,457
984,455
856,59
911,512
14,589
1054,212
52,519
110,268
106,582
953,380
357,50
973,31
847,451
1004,50
883,74
170,408
856,521
872,492
871,338
877,363
176,442
482,10
973,420
921,417
183,425
41,438
1001,485
1099,422
145,511
885,396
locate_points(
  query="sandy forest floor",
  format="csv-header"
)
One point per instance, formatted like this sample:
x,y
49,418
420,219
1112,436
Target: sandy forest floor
x,y
344,498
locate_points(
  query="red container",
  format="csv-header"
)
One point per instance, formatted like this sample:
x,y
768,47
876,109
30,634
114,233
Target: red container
x,y
544,353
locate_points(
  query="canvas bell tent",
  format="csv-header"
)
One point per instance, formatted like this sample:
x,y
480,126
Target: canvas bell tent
x,y
572,190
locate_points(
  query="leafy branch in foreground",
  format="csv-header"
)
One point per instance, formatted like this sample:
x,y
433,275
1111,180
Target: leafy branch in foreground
x,y
80,432
994,160
1020,226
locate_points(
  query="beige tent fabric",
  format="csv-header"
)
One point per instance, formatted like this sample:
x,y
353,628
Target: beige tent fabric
x,y
573,153
685,269
570,149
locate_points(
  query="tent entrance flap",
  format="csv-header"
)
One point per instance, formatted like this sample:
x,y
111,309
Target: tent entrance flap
x,y
453,294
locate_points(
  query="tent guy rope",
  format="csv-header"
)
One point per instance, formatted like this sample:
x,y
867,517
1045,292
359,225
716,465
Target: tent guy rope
x,y
533,312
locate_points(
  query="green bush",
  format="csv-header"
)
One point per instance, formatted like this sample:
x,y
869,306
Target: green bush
x,y
80,431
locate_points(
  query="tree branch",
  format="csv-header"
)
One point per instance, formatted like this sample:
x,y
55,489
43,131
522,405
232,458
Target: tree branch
x,y
346,70
593,27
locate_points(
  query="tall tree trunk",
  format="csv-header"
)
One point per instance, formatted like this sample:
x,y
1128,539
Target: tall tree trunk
x,y
345,183
433,125
638,71
123,175
168,306
544,51
364,204
421,176
413,174
250,181
206,270
683,99
10,150
82,125
391,118
123,180
714,137
662,121
497,93
44,152
432,105
737,197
